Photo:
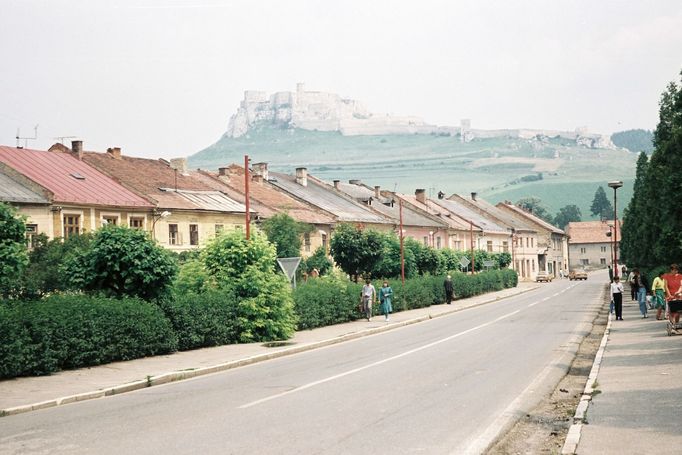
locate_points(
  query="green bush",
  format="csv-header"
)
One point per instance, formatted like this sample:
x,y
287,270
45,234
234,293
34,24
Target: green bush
x,y
122,262
73,331
13,253
201,320
325,301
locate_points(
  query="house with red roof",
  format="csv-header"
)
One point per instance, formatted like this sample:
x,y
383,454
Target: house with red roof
x,y
590,243
77,198
187,211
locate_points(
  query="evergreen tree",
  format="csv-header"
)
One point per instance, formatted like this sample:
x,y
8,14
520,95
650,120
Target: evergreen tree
x,y
601,206
664,180
636,228
534,206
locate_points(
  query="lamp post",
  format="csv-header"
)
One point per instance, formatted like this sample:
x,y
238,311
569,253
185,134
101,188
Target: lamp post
x,y
615,185
156,217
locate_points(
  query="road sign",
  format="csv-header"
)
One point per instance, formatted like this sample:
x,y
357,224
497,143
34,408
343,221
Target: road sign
x,y
488,263
289,266
464,262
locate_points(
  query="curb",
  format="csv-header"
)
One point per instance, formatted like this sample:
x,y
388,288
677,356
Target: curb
x,y
166,378
573,437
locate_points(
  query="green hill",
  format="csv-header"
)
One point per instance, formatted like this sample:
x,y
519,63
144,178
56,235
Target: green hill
x,y
558,171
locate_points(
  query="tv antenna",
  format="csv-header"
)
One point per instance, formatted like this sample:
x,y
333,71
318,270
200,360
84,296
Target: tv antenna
x,y
26,139
61,138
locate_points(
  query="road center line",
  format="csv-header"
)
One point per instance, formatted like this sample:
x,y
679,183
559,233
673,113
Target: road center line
x,y
380,362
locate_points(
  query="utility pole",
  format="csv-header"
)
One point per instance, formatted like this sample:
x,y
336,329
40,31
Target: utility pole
x,y
402,249
246,196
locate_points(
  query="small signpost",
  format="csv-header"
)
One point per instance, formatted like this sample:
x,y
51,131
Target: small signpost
x,y
289,266
487,264
464,262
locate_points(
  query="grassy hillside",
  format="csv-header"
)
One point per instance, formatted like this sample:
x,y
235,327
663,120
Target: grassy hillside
x,y
496,168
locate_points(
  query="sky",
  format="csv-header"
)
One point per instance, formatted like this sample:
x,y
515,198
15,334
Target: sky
x,y
161,78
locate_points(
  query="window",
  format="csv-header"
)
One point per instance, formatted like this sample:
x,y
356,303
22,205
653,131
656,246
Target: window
x,y
110,219
583,250
603,249
136,222
194,234
31,235
173,237
219,228
72,225
527,242
505,247
324,242
602,261
489,246
438,244
585,261
532,263
426,240
306,241
532,240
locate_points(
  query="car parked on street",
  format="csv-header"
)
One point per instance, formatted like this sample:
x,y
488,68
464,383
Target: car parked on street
x,y
544,276
577,275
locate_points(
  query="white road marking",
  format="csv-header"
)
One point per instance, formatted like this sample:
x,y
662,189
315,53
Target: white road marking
x,y
380,362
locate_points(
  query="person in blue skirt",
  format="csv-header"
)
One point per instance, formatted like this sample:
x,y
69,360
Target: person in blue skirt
x,y
385,297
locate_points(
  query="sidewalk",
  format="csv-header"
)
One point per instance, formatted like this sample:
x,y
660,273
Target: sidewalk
x,y
639,409
26,394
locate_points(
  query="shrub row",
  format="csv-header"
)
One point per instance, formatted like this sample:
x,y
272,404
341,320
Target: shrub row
x,y
332,300
73,331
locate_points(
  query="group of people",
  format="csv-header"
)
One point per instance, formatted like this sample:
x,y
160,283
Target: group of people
x,y
368,297
666,288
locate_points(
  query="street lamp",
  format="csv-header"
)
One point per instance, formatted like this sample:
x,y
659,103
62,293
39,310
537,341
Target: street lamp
x,y
615,185
156,217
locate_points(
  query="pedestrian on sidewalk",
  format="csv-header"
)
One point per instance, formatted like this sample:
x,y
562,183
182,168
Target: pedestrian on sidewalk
x,y
617,296
368,296
640,284
385,296
449,289
658,292
631,281
673,292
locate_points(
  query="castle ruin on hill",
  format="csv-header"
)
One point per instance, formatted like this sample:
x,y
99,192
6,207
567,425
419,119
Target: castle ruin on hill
x,y
324,111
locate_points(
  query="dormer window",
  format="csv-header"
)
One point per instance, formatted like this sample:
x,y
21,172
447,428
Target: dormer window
x,y
77,176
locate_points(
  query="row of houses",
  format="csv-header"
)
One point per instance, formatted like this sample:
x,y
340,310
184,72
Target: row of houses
x,y
66,191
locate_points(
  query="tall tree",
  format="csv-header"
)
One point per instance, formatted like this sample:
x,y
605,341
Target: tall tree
x,y
634,244
285,233
534,205
13,255
356,251
566,215
601,206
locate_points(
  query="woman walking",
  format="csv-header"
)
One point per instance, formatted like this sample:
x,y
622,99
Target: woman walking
x,y
640,285
617,295
658,292
385,296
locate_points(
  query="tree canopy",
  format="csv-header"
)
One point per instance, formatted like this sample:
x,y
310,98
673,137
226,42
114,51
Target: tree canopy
x,y
285,233
13,253
566,215
601,206
535,206
634,140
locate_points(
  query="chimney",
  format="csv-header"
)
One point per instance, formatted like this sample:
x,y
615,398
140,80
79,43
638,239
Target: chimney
x,y
336,184
257,178
473,195
77,148
223,171
441,195
420,193
115,152
262,170
179,164
354,181
377,191
302,176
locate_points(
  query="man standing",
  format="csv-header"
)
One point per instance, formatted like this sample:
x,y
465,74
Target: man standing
x,y
449,290
368,296
617,296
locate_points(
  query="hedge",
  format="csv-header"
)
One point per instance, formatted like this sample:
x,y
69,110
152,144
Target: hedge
x,y
74,331
332,300
202,320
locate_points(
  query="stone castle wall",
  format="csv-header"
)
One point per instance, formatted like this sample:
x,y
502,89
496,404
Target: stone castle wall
x,y
324,111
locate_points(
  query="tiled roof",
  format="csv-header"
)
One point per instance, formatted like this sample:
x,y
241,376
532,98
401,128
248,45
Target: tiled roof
x,y
505,218
434,209
410,217
69,179
326,198
478,220
268,198
529,216
13,191
158,181
590,231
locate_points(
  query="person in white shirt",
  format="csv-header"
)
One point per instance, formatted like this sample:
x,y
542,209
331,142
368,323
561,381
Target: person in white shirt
x,y
617,296
367,297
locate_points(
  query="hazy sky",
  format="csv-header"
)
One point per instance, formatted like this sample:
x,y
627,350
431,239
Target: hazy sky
x,y
160,78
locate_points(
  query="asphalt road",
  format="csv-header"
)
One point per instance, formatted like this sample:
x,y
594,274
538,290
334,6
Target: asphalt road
x,y
449,385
